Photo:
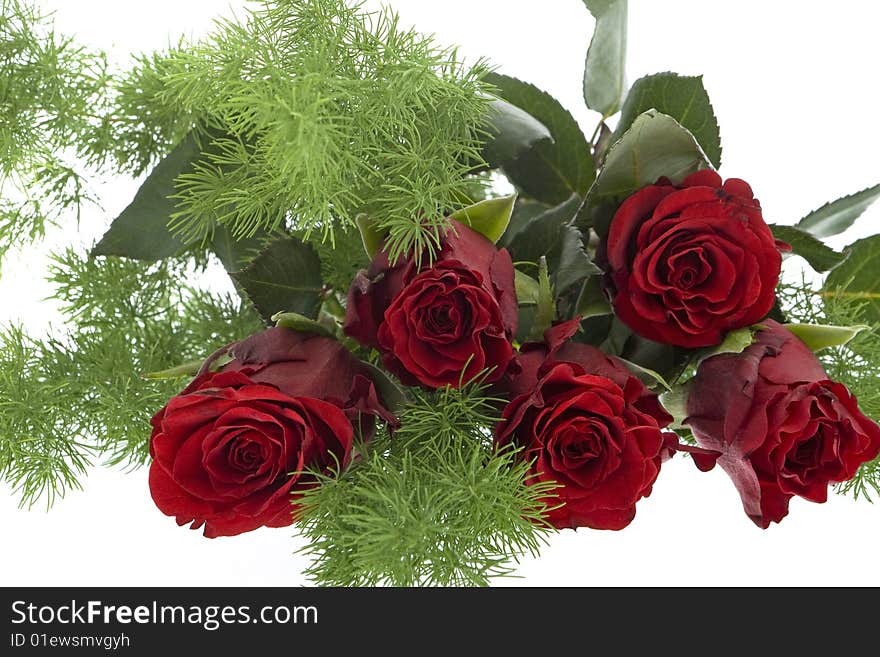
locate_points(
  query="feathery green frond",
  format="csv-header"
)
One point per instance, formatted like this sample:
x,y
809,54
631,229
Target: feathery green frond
x,y
67,400
431,505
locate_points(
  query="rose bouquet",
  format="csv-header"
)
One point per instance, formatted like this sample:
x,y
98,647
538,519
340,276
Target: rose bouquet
x,y
423,373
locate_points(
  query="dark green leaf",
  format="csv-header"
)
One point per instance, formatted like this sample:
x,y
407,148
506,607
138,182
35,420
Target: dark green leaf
x,y
141,230
820,256
285,277
592,300
542,233
235,254
655,145
489,218
859,277
511,131
392,396
572,264
605,70
818,337
646,375
524,210
684,99
549,171
835,217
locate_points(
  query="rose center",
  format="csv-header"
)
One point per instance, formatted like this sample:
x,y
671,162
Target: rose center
x,y
247,454
688,269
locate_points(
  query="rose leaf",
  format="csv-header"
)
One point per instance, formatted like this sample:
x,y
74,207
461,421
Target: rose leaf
x,y
141,230
857,278
835,217
819,255
284,277
655,146
552,169
511,130
592,300
684,98
605,69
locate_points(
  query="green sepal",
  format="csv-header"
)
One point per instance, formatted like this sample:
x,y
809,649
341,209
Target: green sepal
x,y
820,336
372,237
545,309
646,375
735,342
189,369
489,218
301,324
527,289
674,401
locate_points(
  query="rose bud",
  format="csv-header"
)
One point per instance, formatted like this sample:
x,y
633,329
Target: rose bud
x,y
687,263
783,429
587,424
231,451
439,324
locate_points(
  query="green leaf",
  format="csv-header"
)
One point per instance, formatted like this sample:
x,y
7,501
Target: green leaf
x,y
858,278
592,300
392,395
646,375
655,145
545,310
572,263
141,230
605,70
817,336
372,237
526,288
674,401
549,171
489,218
285,277
684,98
524,210
188,369
542,233
234,253
511,131
835,217
820,256
301,324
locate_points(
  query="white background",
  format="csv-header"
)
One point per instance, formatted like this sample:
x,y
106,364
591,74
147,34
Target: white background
x,y
794,86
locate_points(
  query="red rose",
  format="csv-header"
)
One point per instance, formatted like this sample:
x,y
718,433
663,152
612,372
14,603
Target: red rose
x,y
443,324
783,429
688,263
231,449
589,425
